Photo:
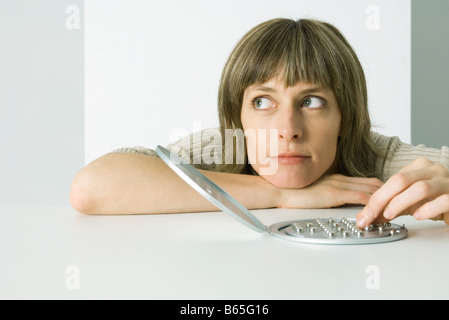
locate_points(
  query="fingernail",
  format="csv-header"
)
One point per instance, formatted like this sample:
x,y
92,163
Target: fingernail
x,y
417,215
361,223
387,214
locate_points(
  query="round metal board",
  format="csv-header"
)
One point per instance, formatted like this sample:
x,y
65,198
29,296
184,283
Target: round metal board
x,y
318,231
209,190
336,231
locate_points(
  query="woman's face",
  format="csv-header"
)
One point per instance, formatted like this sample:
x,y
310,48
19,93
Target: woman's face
x,y
306,119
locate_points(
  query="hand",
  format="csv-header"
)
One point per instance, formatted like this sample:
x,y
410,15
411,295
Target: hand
x,y
330,191
420,189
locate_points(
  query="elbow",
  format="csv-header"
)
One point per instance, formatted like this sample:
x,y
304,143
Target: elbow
x,y
81,197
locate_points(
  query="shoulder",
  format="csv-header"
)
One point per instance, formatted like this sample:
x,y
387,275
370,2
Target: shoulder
x,y
201,149
398,154
136,149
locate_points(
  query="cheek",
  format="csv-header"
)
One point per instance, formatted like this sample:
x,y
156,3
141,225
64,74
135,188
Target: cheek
x,y
251,150
327,148
259,144
259,139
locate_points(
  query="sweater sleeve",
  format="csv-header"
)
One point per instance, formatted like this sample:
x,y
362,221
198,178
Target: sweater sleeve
x,y
200,149
400,154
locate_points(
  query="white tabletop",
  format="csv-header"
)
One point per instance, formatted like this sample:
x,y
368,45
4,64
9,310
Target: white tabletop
x,y
53,252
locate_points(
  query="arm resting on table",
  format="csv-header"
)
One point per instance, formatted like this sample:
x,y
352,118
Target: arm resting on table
x,y
130,183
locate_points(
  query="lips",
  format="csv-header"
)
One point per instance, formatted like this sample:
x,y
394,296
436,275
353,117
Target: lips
x,y
291,155
290,158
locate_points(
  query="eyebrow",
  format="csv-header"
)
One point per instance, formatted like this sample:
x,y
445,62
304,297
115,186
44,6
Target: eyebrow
x,y
306,91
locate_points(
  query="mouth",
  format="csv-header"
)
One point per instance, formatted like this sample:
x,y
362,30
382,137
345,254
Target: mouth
x,y
290,158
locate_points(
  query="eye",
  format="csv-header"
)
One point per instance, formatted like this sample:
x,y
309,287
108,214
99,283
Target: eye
x,y
261,103
313,102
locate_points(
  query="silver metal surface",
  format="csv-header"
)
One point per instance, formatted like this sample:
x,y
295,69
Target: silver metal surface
x,y
209,190
318,231
336,231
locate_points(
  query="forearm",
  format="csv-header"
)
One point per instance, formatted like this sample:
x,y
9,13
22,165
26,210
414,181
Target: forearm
x,y
139,184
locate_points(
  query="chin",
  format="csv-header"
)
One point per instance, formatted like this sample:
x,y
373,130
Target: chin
x,y
289,183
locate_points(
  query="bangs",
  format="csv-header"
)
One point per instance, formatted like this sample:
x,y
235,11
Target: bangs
x,y
307,51
295,51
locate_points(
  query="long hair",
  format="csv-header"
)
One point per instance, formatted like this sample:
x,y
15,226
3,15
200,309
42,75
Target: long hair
x,y
308,51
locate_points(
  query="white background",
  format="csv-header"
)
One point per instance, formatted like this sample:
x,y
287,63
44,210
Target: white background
x,y
152,68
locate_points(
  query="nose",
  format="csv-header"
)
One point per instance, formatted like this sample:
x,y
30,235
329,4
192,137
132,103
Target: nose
x,y
289,134
289,126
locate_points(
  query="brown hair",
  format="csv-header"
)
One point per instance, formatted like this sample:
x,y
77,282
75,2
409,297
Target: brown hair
x,y
308,51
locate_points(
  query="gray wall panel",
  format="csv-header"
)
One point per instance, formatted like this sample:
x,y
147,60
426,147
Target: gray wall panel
x,y
41,100
430,72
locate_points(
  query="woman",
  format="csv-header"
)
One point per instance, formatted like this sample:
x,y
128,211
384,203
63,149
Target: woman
x,y
293,96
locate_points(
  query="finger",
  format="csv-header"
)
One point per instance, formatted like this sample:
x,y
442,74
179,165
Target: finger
x,y
395,185
367,185
433,208
438,217
412,196
343,197
358,180
442,217
360,220
349,186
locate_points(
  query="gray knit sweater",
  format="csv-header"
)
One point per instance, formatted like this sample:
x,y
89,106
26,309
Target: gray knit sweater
x,y
399,154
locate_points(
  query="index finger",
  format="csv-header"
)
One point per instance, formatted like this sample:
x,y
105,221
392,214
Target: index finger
x,y
382,197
